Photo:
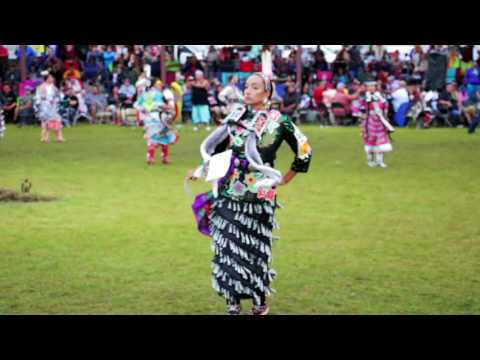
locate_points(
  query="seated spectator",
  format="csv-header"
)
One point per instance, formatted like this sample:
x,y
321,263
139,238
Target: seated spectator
x,y
416,108
290,102
94,54
341,76
118,76
283,70
8,99
69,107
449,105
127,94
96,102
343,98
68,52
71,72
306,107
91,69
318,93
289,81
320,64
27,83
342,61
231,94
225,64
114,104
474,115
472,82
246,64
79,91
25,112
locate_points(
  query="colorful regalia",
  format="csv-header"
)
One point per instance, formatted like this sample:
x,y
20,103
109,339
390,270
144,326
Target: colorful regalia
x,y
47,102
375,128
158,132
239,212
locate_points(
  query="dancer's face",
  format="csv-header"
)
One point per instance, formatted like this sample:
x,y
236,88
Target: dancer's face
x,y
255,92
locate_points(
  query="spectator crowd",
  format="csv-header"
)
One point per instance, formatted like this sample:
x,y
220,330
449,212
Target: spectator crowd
x,y
432,85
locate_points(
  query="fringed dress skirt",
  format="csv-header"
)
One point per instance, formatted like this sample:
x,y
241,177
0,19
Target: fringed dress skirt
x,y
242,245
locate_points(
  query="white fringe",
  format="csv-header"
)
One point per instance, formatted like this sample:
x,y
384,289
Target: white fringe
x,y
241,270
239,288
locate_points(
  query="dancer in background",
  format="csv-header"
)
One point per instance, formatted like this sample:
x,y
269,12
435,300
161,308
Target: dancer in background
x,y
157,111
47,100
375,128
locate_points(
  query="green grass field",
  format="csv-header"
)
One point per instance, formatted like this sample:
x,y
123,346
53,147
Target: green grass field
x,y
354,240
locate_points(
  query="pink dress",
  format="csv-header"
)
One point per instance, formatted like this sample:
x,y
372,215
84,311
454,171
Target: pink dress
x,y
374,134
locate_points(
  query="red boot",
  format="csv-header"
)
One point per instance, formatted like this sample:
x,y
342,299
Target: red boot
x,y
165,159
151,155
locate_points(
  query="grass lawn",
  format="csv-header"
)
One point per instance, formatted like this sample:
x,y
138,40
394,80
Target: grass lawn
x,y
354,240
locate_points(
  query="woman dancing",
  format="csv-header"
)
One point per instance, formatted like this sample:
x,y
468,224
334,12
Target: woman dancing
x,y
239,212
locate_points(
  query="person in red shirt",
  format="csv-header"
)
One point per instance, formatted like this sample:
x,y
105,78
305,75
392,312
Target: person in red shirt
x,y
246,65
318,92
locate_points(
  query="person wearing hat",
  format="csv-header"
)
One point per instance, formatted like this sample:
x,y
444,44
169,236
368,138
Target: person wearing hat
x,y
157,111
238,214
47,99
375,128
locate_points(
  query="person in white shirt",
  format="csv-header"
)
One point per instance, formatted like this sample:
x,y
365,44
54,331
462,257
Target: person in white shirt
x,y
399,94
142,84
267,62
231,94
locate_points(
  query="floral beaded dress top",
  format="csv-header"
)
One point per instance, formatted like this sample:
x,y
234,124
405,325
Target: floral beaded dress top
x,y
241,183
